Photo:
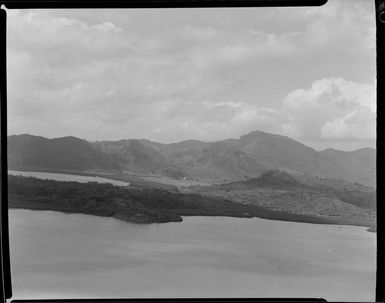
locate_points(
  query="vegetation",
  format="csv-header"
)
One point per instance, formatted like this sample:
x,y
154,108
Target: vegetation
x,y
133,204
338,200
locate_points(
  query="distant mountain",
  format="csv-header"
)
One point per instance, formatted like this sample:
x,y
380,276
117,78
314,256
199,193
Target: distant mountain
x,y
137,156
68,153
360,164
177,150
279,151
268,151
222,161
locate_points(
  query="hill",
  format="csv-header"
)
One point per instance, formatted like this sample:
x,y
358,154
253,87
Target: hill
x,y
68,153
222,161
347,192
138,157
300,194
361,164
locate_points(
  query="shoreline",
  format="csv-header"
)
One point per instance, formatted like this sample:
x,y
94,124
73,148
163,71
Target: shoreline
x,y
371,229
131,179
192,205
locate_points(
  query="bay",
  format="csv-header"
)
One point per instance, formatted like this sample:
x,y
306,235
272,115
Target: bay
x,y
57,255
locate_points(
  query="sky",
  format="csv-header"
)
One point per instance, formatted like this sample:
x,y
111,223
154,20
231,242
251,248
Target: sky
x,y
170,75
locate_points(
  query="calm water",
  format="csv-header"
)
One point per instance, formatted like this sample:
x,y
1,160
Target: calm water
x,y
67,256
66,177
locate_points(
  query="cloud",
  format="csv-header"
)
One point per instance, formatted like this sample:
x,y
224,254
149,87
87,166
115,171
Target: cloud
x,y
360,124
171,120
331,108
204,74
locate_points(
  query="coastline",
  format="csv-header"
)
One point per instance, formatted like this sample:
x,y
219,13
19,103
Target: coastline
x,y
153,212
179,218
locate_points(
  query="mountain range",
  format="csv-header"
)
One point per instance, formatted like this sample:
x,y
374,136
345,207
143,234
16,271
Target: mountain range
x,y
223,161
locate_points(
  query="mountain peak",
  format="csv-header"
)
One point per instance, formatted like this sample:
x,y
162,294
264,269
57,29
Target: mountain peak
x,y
69,139
259,133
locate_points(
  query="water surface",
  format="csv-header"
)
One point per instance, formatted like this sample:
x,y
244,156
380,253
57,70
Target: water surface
x,y
66,177
56,255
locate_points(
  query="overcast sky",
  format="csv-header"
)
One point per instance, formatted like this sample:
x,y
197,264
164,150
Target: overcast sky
x,y
207,74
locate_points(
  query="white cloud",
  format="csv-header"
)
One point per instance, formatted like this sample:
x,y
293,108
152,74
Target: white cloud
x,y
332,108
360,124
207,74
108,27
